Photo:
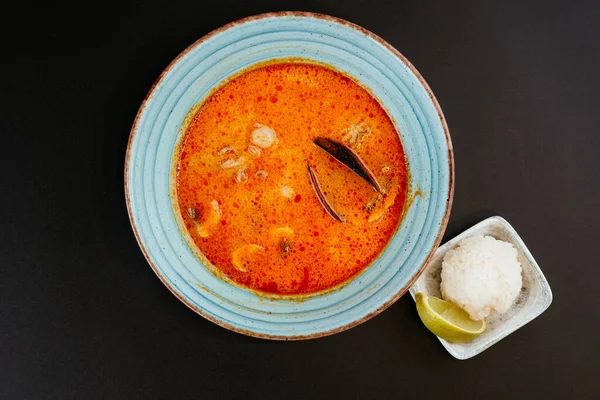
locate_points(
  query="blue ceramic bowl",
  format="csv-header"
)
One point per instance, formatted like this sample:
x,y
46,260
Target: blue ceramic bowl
x,y
202,67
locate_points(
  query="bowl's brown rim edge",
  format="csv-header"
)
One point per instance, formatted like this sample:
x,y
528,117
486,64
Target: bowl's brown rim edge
x,y
449,200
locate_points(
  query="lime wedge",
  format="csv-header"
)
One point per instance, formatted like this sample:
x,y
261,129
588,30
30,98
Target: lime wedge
x,y
447,320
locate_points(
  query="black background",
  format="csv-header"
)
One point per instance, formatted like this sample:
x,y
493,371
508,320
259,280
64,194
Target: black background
x,y
83,316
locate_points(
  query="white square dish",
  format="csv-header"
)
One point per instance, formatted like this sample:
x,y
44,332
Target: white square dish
x,y
535,297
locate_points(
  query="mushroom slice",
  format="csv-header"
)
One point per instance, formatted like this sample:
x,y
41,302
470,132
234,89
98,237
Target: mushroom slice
x,y
242,175
227,150
231,163
355,134
264,136
254,150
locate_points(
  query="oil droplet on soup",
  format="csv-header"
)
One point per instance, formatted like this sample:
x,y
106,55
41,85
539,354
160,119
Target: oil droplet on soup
x,y
243,186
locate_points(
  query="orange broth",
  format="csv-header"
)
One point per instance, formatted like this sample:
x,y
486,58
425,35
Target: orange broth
x,y
254,214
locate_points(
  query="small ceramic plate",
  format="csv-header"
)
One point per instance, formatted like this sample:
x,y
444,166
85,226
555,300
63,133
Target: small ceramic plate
x,y
534,299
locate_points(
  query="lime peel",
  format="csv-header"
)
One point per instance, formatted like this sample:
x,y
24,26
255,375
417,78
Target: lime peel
x,y
447,320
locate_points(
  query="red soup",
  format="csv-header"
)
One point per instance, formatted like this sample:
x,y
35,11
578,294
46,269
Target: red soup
x,y
244,187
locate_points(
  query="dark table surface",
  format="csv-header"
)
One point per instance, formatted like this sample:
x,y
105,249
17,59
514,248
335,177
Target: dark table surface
x,y
83,316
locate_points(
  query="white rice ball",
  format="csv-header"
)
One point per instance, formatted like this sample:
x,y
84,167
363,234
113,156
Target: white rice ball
x,y
482,275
